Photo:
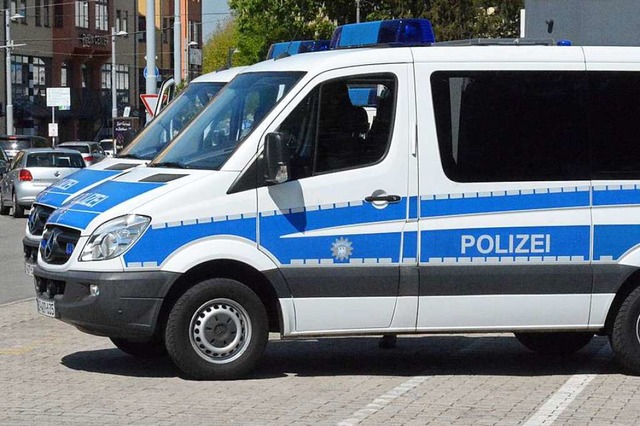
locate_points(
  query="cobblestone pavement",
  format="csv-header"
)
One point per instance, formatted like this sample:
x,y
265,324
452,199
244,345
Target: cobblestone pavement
x,y
53,374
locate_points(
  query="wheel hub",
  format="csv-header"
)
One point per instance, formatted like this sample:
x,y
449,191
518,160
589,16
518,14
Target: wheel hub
x,y
220,331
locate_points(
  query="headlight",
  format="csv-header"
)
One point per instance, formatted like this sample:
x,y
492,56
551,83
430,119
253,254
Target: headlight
x,y
113,238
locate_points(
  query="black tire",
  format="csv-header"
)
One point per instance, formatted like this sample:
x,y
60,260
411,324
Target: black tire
x,y
18,210
4,210
625,334
555,343
217,330
153,348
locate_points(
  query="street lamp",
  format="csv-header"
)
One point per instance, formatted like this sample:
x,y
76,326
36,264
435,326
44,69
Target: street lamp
x,y
189,46
231,52
9,45
114,100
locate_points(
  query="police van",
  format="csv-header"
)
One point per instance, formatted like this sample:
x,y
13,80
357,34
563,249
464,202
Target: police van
x,y
478,188
155,136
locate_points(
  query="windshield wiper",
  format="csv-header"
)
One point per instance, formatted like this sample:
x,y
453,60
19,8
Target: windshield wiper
x,y
133,156
170,164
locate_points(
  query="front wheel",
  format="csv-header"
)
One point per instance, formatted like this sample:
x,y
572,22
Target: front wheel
x,y
153,348
625,335
555,343
217,330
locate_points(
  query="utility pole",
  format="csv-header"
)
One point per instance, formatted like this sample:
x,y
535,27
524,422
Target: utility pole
x,y
152,78
177,43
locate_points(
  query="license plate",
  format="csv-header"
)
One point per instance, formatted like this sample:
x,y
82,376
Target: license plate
x,y
46,307
28,268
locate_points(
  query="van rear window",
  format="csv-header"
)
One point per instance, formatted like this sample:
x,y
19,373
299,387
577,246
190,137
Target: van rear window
x,y
503,126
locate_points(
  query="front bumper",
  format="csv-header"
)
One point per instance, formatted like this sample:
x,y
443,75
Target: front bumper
x,y
127,306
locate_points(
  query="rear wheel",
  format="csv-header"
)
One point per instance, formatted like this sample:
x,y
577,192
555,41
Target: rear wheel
x,y
625,335
18,210
217,330
153,348
555,343
4,210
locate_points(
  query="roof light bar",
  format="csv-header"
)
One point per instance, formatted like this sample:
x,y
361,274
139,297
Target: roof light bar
x,y
404,32
295,47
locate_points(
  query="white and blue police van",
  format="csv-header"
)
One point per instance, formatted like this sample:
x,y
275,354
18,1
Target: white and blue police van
x,y
375,190
149,142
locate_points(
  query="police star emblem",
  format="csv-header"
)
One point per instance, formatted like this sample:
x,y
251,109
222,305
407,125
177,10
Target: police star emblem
x,y
341,249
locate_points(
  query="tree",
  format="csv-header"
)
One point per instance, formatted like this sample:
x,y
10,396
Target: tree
x,y
263,22
216,49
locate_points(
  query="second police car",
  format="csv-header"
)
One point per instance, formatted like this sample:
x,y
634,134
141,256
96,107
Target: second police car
x,y
157,134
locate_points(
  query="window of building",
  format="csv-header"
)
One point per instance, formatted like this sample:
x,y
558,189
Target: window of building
x,y
20,76
58,15
505,126
64,75
122,20
194,31
38,13
23,10
82,13
85,76
14,7
613,124
167,31
39,78
45,13
105,76
122,77
102,15
142,25
342,124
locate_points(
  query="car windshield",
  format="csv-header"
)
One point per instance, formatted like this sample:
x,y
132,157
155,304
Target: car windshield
x,y
7,143
82,148
173,118
106,145
209,141
54,159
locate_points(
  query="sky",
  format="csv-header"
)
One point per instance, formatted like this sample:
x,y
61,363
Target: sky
x,y
213,11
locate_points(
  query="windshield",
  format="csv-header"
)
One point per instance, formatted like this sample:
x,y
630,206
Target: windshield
x,y
209,141
173,118
18,144
82,148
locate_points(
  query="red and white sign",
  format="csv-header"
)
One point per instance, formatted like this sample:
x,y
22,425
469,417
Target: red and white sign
x,y
149,101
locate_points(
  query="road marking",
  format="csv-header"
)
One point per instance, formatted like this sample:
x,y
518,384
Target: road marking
x,y
560,400
384,400
16,302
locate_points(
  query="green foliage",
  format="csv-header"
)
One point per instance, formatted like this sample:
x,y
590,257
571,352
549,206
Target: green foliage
x,y
259,23
216,49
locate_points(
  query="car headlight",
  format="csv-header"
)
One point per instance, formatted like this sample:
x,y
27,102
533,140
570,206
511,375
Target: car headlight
x,y
114,237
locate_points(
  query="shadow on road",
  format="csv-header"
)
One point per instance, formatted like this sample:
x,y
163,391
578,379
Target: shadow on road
x,y
433,355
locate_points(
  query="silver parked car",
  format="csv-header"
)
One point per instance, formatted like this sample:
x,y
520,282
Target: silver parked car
x,y
91,151
31,171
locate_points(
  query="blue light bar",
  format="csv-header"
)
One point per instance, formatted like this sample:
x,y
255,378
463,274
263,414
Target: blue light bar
x,y
405,32
295,47
564,43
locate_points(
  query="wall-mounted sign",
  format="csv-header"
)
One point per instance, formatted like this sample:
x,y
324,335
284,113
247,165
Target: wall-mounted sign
x,y
89,40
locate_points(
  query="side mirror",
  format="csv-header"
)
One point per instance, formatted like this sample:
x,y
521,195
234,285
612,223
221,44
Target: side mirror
x,y
3,167
276,158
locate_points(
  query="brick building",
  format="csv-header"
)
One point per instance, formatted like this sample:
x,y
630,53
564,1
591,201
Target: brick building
x,y
68,44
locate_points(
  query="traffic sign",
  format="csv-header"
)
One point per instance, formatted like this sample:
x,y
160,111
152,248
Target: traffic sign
x,y
149,101
145,72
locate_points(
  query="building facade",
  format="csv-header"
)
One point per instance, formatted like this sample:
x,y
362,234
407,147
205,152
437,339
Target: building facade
x,y
585,22
62,43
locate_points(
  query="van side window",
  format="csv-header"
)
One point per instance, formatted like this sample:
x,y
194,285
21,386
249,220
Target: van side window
x,y
342,124
614,105
507,126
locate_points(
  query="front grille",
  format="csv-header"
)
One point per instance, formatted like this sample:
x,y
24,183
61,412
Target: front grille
x,y
57,244
38,218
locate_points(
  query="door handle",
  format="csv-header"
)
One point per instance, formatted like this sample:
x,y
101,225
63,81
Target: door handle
x,y
386,198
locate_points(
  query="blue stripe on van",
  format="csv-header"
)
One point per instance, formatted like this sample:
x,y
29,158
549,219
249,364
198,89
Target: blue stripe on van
x,y
617,196
610,242
538,243
83,208
474,203
59,191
